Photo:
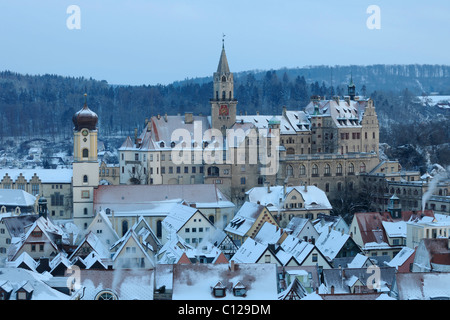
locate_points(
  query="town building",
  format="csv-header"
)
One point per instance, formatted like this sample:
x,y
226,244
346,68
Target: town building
x,y
329,145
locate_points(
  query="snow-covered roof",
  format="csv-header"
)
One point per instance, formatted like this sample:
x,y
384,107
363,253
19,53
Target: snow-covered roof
x,y
400,257
178,217
16,197
273,198
157,200
423,286
330,243
249,252
195,282
45,175
134,284
395,229
14,279
358,261
244,218
268,234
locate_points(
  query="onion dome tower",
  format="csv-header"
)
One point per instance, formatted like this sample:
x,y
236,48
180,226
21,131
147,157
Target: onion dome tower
x,y
85,165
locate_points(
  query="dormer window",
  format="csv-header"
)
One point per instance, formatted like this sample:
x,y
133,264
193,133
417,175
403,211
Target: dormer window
x,y
161,144
239,290
219,290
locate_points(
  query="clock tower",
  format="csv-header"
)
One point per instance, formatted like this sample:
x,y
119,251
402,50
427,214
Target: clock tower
x,y
85,165
223,104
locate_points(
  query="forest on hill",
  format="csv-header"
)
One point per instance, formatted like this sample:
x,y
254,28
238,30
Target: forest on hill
x,y
43,105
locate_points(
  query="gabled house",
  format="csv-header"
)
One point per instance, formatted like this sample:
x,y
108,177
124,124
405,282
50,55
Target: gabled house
x,y
270,234
234,281
223,241
357,281
174,252
286,202
42,239
334,244
296,252
248,221
11,230
91,244
59,265
324,222
130,252
254,252
403,261
144,231
302,228
102,227
295,291
24,261
384,233
307,276
188,223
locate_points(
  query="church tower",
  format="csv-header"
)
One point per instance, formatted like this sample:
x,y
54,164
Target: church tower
x,y
85,165
223,104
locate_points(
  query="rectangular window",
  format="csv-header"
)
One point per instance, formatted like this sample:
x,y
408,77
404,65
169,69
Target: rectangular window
x,y
85,194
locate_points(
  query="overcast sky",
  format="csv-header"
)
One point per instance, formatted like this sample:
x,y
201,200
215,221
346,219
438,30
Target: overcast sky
x,y
159,41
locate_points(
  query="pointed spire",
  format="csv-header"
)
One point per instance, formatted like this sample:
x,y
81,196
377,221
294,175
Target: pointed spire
x,y
223,62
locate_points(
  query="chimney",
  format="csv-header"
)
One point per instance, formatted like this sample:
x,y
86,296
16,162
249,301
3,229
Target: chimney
x,y
268,188
165,117
257,113
188,117
284,111
135,135
306,187
232,266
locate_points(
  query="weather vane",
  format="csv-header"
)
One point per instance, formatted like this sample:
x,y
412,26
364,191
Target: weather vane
x,y
223,39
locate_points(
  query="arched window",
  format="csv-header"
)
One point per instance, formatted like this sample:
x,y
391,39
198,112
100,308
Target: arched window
x,y
351,168
224,79
223,95
213,171
289,171
105,295
315,170
85,153
211,219
362,167
327,170
290,151
85,178
124,227
339,169
302,170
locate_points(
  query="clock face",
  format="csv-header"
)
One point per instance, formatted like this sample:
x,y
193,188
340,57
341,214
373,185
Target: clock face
x,y
84,132
223,111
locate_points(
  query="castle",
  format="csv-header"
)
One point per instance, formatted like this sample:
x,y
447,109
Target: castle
x,y
328,144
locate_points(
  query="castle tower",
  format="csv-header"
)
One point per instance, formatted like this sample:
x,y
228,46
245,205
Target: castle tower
x,y
85,165
370,129
223,104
